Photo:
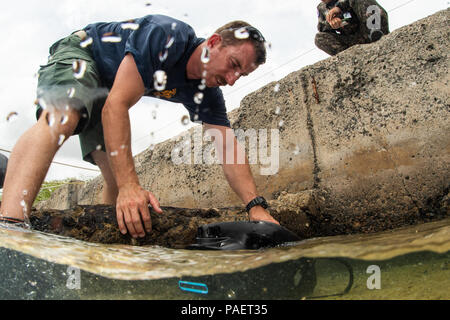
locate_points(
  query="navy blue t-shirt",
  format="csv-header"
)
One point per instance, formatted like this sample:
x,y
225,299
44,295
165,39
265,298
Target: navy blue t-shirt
x,y
157,42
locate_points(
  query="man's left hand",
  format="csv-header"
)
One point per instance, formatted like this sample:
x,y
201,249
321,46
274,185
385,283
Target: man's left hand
x,y
258,213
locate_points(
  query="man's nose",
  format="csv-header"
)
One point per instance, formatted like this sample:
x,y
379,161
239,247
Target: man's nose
x,y
232,77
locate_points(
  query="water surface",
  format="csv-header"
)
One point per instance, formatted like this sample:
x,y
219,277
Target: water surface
x,y
413,263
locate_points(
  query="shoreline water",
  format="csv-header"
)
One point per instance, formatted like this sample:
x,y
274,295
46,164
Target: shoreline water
x,y
413,264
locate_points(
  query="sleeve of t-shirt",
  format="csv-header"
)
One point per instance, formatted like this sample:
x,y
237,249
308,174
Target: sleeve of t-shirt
x,y
212,109
145,44
322,20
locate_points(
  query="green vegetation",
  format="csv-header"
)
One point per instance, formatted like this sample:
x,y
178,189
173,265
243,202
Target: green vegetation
x,y
49,187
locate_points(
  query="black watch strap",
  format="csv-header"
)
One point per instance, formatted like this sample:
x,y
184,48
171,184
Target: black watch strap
x,y
258,201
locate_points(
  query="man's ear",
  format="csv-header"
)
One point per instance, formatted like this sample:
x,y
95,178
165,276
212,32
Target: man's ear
x,y
214,40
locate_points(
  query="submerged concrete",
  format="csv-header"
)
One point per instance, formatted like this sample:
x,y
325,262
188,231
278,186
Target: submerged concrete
x,y
364,139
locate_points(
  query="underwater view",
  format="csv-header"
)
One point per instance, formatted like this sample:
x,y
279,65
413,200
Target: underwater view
x,y
406,263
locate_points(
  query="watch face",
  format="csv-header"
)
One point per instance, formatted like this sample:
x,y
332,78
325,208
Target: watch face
x,y
262,202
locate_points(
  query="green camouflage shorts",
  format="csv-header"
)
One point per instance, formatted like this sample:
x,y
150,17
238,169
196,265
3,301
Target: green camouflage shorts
x,y
71,78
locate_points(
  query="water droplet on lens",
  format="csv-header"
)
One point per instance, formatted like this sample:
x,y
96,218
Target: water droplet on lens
x,y
61,139
159,80
195,117
152,146
129,25
241,33
98,147
277,87
154,114
163,55
205,55
174,25
202,85
277,110
86,43
296,150
51,119
185,120
231,294
64,119
111,37
170,41
25,192
71,92
123,146
281,123
12,116
114,153
198,97
41,102
79,68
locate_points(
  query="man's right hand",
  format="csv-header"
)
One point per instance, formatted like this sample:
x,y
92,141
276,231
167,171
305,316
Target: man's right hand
x,y
132,209
333,18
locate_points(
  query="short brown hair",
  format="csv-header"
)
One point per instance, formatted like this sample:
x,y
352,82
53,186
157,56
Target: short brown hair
x,y
227,32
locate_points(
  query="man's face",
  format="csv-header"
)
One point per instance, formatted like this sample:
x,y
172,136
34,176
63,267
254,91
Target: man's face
x,y
227,64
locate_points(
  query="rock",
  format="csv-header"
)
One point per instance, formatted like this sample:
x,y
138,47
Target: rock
x,y
303,200
175,228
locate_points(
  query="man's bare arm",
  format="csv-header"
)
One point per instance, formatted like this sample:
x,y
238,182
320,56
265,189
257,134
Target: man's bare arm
x,y
132,201
239,176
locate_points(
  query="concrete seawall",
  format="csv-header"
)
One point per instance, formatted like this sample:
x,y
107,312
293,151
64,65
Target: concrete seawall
x,y
364,139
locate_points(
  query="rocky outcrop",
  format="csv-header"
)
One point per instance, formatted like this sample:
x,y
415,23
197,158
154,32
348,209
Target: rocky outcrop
x,y
364,134
174,228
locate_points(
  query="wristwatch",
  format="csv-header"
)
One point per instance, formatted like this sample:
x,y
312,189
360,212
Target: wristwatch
x,y
258,201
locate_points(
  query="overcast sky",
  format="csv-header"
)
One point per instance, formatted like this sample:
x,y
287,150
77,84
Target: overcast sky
x,y
30,27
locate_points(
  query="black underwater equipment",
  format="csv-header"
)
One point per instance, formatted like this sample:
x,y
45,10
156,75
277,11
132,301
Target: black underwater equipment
x,y
240,235
295,279
350,280
291,279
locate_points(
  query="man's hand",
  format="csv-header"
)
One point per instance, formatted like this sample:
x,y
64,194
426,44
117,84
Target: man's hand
x,y
258,213
333,18
132,209
132,201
